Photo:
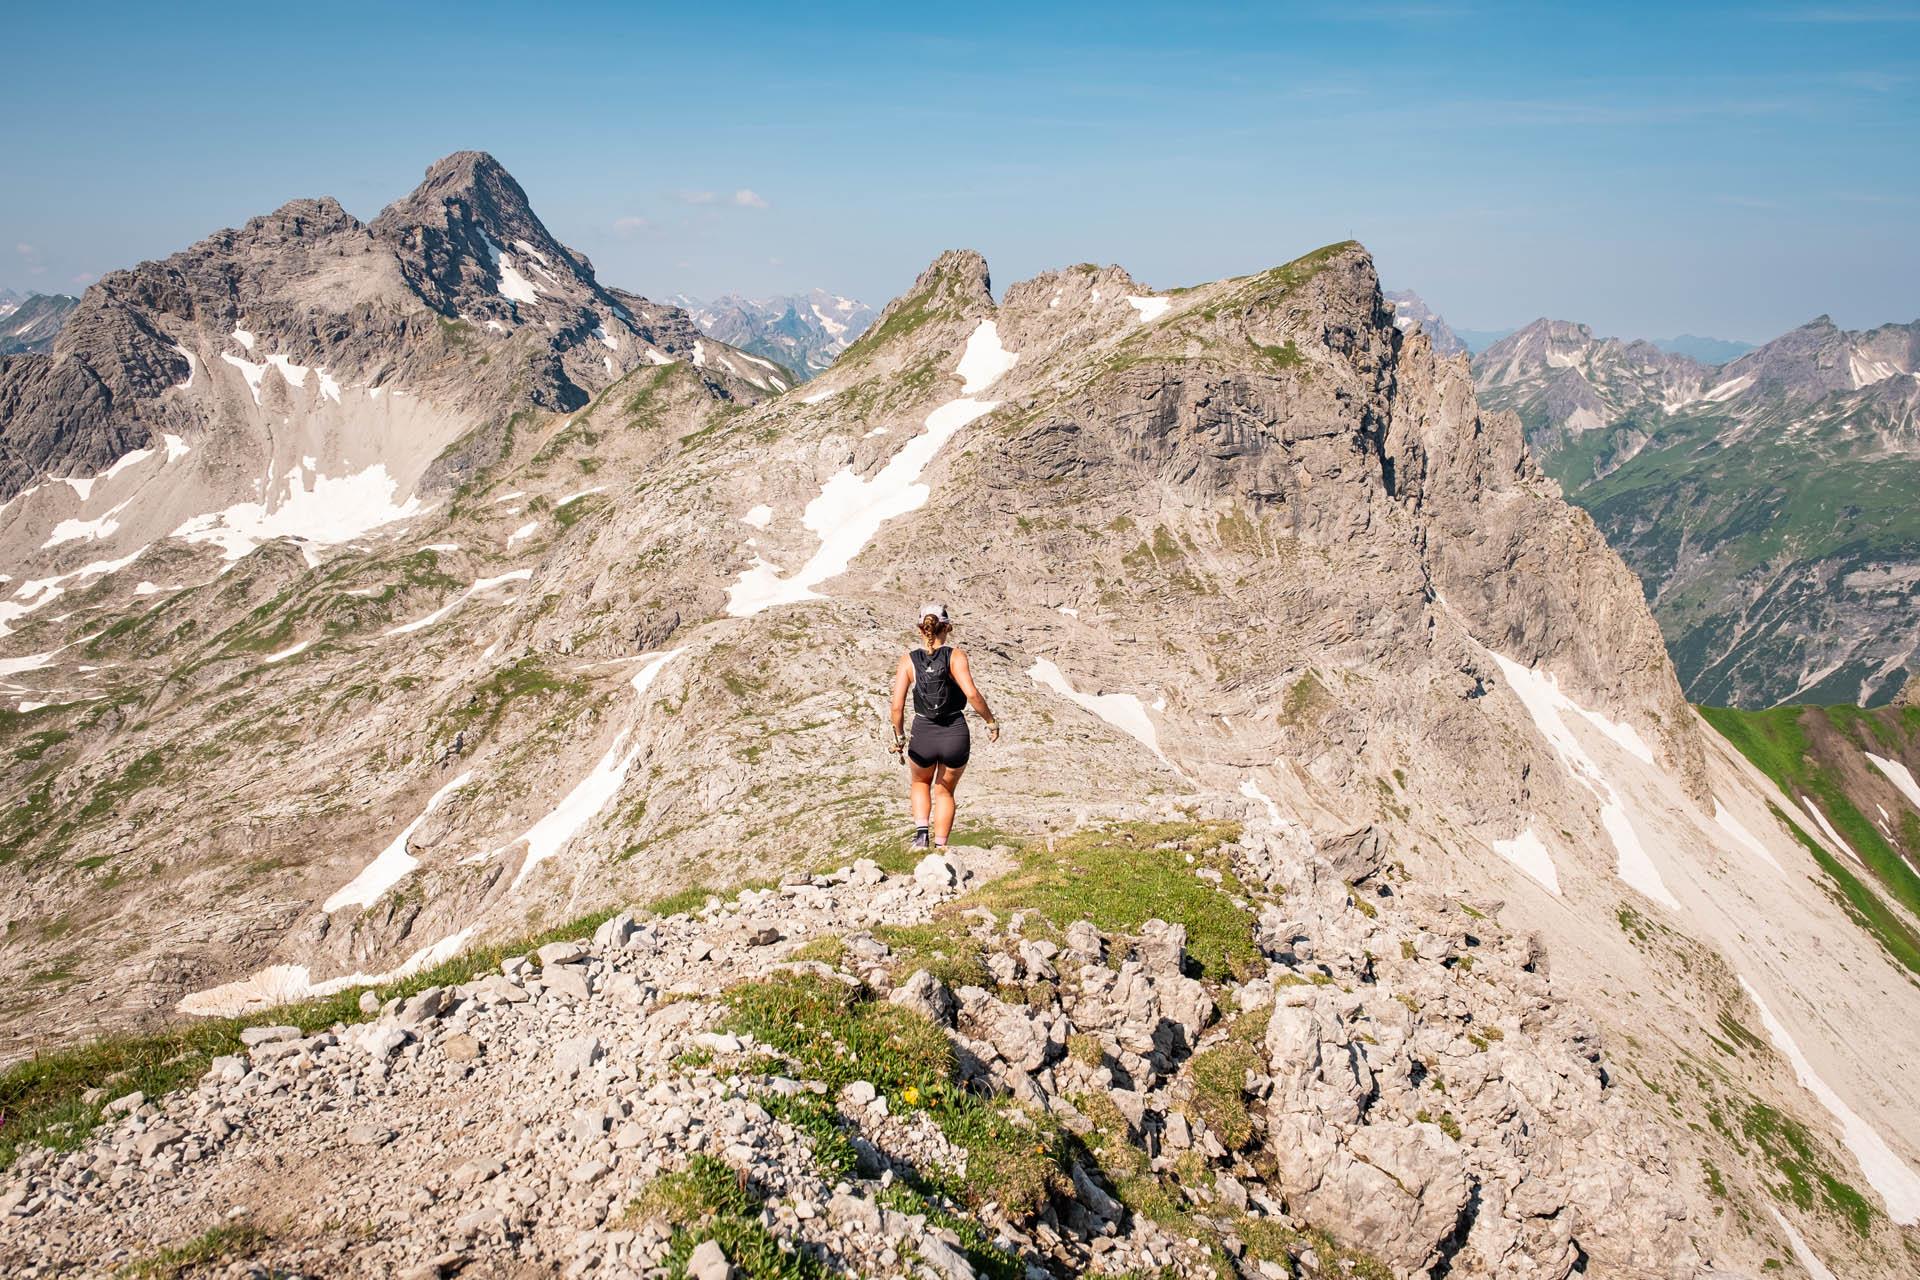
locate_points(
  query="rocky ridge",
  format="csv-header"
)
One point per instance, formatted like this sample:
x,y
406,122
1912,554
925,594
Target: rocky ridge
x,y
1410,309
531,1117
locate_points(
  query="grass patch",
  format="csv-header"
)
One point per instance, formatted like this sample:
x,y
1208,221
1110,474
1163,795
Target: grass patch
x,y
1790,1147
1219,1090
838,1034
708,1200
685,902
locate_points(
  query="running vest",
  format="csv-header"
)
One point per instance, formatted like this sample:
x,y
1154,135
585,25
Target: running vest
x,y
935,693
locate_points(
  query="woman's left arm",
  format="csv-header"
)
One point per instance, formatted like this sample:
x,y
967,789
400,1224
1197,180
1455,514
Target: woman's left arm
x,y
963,673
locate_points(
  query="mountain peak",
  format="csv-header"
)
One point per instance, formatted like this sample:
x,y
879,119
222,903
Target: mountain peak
x,y
961,273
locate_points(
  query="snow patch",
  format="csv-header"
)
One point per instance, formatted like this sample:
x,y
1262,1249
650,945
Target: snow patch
x,y
249,370
1815,1269
102,526
1827,827
49,589
394,862
1150,309
513,285
280,984
984,359
188,357
654,357
575,497
1867,372
284,654
1901,777
526,530
1539,692
1892,1177
818,396
1251,790
244,338
550,835
1121,710
1526,852
1071,613
759,517
485,584
1745,838
177,448
1729,389
849,511
330,510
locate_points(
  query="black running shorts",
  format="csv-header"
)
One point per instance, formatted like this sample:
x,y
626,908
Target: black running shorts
x,y
934,743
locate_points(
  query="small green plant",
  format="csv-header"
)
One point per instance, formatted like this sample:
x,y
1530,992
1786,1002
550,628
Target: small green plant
x,y
230,1240
1219,1090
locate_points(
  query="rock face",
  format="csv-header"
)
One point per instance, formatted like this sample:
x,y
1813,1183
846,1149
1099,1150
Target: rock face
x,y
1246,554
805,333
1759,501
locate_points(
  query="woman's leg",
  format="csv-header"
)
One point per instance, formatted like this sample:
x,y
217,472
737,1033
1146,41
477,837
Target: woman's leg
x,y
945,780
920,791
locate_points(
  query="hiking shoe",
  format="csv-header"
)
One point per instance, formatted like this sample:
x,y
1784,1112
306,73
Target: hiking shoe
x,y
920,840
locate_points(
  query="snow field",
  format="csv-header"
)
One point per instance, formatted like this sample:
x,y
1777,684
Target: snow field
x,y
327,510
394,862
1539,692
1121,710
1526,852
850,510
1892,1177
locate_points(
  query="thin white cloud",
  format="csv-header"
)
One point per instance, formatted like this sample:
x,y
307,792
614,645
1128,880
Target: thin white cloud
x,y
748,199
631,225
693,197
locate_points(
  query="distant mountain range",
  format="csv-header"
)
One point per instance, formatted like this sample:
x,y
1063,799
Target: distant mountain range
x,y
804,332
1410,309
29,324
1766,502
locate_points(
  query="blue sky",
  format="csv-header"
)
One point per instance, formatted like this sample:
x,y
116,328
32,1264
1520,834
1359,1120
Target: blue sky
x,y
1649,169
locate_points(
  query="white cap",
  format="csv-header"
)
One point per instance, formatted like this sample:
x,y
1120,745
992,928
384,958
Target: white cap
x,y
932,611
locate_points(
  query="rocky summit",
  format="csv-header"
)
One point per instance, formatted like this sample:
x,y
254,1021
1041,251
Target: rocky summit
x,y
494,867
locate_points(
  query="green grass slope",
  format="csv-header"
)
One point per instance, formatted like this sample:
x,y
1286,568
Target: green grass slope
x,y
1819,756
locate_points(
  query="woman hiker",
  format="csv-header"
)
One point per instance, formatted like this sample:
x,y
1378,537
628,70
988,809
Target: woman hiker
x,y
942,687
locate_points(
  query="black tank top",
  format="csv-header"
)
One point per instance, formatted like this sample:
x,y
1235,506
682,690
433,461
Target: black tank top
x,y
936,695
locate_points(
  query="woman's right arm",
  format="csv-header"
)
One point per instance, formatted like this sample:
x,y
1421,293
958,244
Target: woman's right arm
x,y
902,681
